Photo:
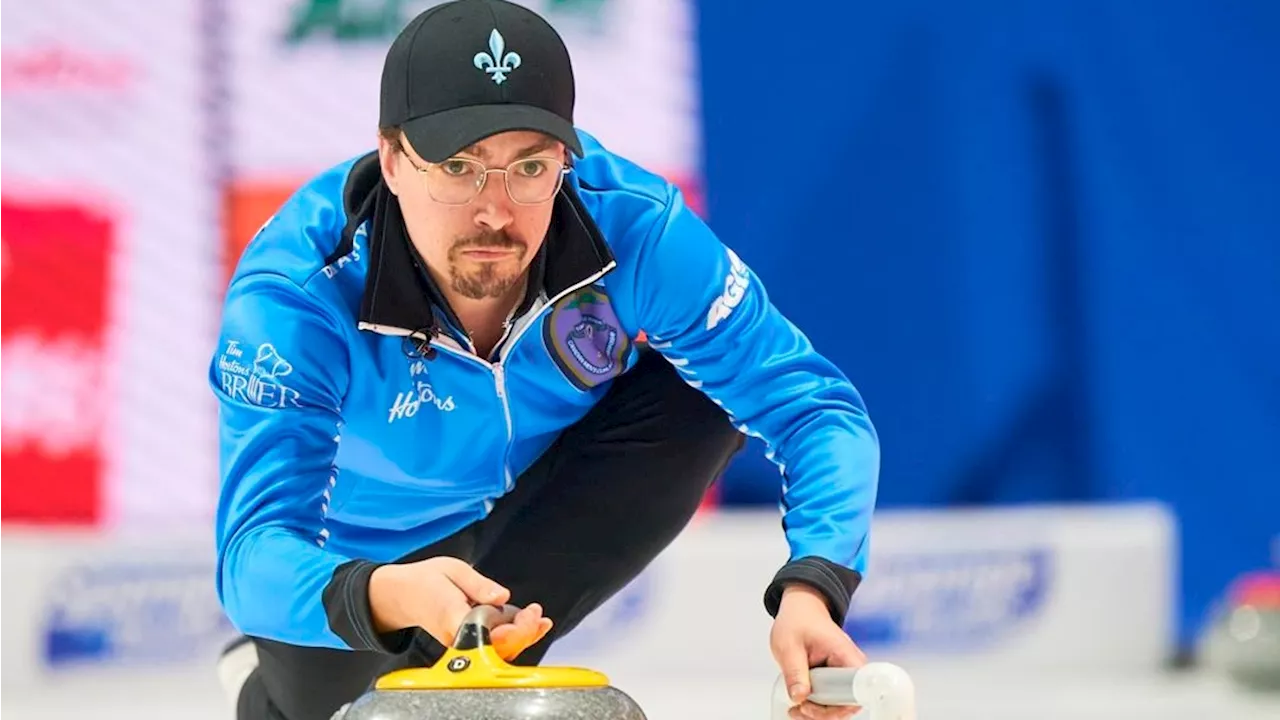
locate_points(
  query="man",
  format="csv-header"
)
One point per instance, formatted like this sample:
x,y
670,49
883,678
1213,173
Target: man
x,y
434,393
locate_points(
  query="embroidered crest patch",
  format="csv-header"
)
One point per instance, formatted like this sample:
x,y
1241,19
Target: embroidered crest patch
x,y
585,339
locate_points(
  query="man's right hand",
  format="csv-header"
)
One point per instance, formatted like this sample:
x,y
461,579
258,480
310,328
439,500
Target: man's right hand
x,y
437,593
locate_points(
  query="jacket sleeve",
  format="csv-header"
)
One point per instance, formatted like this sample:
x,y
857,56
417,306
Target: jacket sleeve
x,y
709,314
280,372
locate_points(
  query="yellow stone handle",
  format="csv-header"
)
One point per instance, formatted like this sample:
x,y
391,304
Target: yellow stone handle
x,y
472,663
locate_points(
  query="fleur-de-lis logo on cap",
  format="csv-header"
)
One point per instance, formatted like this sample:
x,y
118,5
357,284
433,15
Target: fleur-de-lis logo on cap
x,y
494,62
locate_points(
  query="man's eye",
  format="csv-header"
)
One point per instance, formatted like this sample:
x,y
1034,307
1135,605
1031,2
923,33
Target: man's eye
x,y
456,168
531,168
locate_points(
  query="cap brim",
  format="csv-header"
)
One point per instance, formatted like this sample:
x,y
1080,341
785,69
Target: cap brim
x,y
439,136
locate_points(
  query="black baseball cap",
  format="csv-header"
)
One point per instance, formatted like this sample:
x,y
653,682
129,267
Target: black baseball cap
x,y
465,70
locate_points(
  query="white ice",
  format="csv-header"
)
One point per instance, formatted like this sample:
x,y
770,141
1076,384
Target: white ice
x,y
945,692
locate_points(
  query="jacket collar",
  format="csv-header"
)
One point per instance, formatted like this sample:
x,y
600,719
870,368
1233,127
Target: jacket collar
x,y
401,298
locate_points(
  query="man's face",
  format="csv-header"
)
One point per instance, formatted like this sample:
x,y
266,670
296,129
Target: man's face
x,y
482,248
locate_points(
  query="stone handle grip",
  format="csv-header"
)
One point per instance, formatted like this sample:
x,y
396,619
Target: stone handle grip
x,y
475,626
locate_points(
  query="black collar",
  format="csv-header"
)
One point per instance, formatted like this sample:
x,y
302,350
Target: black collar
x,y
400,297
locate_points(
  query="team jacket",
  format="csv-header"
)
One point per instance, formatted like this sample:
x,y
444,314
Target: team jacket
x,y
344,446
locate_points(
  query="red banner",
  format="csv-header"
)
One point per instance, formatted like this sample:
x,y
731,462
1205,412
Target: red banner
x,y
53,318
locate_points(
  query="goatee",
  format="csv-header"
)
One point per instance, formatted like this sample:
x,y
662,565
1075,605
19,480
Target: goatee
x,y
485,279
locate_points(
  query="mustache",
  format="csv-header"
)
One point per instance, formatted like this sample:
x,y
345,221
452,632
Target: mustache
x,y
492,240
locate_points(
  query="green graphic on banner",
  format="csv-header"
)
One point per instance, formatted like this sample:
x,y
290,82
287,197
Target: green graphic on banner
x,y
586,16
380,20
589,8
348,20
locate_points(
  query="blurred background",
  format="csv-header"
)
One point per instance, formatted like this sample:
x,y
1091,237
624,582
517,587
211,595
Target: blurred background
x,y
1042,238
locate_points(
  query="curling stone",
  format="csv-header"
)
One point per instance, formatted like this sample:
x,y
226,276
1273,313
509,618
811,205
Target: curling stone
x,y
1244,641
472,682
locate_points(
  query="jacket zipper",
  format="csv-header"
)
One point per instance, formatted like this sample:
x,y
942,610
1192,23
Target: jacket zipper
x,y
499,382
497,369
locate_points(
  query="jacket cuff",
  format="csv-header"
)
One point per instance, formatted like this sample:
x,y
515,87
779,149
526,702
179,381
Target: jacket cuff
x,y
835,582
346,603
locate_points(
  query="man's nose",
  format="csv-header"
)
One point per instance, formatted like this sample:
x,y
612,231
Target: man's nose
x,y
493,204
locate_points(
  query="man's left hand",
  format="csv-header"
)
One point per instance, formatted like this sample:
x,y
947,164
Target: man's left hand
x,y
804,636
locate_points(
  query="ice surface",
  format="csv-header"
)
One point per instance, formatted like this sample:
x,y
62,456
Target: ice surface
x,y
944,692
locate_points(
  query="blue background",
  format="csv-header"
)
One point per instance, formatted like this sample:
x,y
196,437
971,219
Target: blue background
x,y
1042,238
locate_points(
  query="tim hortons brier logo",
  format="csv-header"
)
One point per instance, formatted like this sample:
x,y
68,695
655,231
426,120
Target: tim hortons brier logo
x,y
257,381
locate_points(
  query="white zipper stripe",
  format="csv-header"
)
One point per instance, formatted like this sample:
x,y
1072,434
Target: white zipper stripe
x,y
551,303
458,350
500,383
388,330
499,376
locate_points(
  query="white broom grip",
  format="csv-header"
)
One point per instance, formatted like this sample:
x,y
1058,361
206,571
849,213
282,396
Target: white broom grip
x,y
883,690
832,686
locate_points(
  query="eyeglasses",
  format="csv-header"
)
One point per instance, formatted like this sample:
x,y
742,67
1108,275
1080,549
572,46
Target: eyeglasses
x,y
458,181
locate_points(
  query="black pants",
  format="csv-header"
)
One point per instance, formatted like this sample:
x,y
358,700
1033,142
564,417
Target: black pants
x,y
612,492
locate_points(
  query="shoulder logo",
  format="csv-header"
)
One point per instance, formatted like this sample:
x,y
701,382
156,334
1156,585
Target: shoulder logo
x,y
257,382
585,339
268,364
494,62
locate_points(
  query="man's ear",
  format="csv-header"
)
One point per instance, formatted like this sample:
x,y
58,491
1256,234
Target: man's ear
x,y
388,157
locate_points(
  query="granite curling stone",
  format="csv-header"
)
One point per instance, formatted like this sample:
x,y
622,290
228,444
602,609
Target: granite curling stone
x,y
472,682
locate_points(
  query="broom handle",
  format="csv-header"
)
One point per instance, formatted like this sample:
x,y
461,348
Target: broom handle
x,y
884,690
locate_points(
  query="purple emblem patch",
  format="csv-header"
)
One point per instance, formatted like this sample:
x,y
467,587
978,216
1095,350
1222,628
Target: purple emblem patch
x,y
585,338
